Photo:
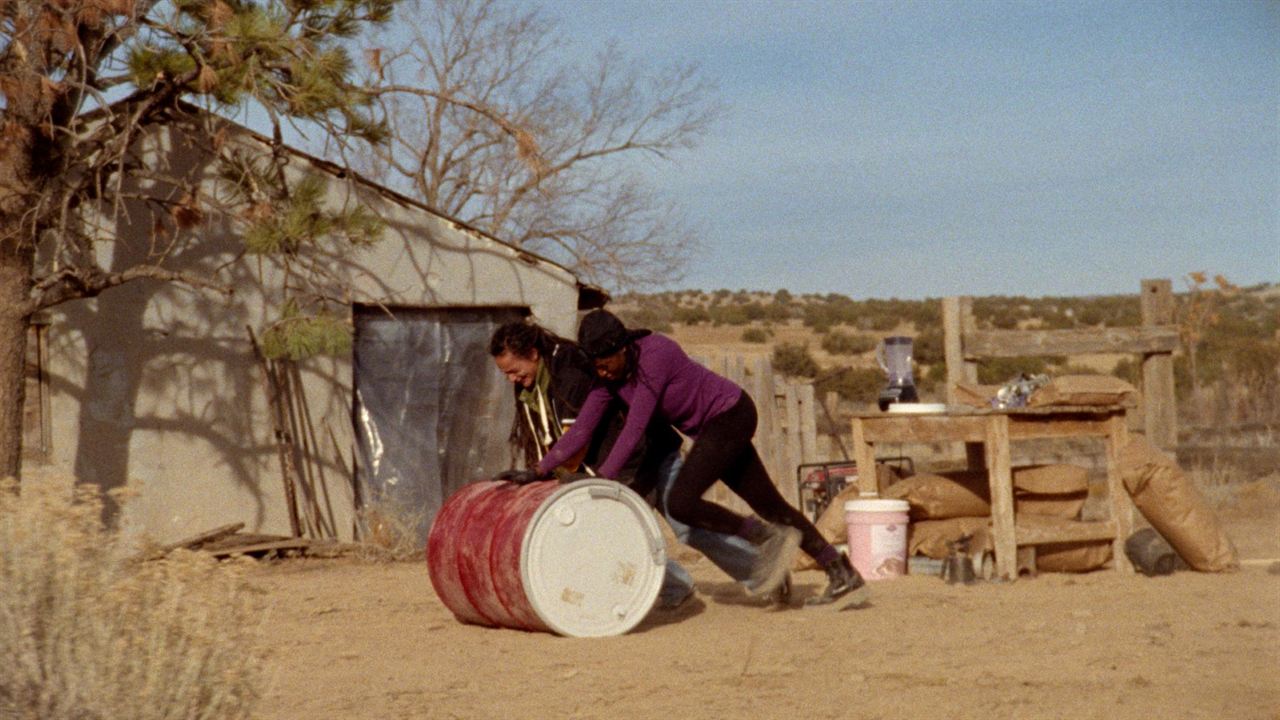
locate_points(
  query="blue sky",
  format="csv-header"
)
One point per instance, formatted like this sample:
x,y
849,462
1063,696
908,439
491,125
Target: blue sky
x,y
903,149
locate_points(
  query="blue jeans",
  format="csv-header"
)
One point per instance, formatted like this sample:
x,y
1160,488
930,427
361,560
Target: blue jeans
x,y
732,554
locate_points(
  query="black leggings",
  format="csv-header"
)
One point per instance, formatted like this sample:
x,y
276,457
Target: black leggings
x,y
723,451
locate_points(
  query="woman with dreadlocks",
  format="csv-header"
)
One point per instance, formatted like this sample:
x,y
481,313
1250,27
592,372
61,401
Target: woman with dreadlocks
x,y
654,377
551,378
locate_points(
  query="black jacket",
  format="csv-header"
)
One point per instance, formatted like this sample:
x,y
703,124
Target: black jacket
x,y
573,375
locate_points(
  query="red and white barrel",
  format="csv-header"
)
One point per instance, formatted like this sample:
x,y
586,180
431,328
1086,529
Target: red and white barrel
x,y
582,560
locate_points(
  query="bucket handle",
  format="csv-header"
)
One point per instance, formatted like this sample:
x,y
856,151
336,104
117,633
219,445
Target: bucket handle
x,y
603,492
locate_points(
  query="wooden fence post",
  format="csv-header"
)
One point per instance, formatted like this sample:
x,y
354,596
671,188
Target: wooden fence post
x,y
1160,414
957,319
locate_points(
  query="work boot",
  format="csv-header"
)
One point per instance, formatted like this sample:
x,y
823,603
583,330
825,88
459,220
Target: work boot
x,y
777,545
782,596
842,580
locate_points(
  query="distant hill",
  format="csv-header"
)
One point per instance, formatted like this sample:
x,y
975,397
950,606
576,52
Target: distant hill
x,y
832,337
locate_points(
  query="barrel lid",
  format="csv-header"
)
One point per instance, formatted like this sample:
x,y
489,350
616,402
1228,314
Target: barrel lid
x,y
592,559
876,505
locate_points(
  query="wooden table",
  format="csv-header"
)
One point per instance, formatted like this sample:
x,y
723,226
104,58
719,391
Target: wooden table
x,y
993,431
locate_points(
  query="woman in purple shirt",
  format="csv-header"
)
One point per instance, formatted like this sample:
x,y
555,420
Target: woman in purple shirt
x,y
654,376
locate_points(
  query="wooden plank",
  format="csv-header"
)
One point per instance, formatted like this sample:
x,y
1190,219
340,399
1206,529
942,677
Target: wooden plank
x,y
923,428
271,391
1000,477
953,346
864,456
768,432
290,544
791,395
1159,409
1029,428
808,425
1073,532
195,541
737,370
324,514
1117,495
1020,343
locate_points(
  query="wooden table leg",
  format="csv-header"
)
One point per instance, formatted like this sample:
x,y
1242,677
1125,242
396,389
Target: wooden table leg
x,y
1000,476
864,455
1117,495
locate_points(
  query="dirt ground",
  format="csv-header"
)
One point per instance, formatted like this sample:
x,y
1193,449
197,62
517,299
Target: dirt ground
x,y
360,640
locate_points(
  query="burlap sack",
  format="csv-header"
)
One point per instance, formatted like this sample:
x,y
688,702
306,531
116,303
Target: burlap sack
x,y
930,537
1054,490
1070,557
1073,557
1084,390
1168,500
937,497
975,395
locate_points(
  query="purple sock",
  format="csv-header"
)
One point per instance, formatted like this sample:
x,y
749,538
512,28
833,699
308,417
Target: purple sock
x,y
751,528
828,555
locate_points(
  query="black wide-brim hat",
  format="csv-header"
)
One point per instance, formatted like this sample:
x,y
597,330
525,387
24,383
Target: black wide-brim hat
x,y
602,334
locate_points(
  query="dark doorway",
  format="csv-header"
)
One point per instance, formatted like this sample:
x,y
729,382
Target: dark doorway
x,y
432,412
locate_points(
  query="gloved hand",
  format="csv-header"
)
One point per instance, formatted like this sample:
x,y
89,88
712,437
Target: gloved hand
x,y
519,477
568,477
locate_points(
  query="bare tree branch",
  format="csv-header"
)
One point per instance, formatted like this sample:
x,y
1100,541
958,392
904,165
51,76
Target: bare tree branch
x,y
512,139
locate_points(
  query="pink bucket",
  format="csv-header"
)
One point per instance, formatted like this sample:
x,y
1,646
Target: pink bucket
x,y
877,531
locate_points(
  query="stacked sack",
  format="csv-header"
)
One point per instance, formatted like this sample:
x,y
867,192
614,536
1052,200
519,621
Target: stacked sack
x,y
948,506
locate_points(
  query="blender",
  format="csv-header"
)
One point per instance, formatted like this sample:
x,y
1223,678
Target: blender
x,y
894,356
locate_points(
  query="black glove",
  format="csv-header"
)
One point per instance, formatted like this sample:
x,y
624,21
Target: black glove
x,y
576,475
519,477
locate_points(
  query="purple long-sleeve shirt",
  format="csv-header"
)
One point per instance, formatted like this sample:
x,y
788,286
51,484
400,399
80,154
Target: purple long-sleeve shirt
x,y
667,382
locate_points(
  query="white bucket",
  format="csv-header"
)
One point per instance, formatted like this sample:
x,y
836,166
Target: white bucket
x,y
877,530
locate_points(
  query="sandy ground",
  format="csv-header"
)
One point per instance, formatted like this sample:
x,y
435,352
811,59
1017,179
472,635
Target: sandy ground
x,y
356,640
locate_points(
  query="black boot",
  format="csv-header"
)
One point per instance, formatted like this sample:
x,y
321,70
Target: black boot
x,y
842,581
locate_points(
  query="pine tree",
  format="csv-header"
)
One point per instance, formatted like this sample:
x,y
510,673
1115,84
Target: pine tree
x,y
81,81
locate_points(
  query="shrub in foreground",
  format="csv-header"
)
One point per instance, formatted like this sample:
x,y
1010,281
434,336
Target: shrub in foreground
x,y
88,634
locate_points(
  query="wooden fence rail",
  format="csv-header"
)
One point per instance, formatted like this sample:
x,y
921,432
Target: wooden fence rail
x,y
964,345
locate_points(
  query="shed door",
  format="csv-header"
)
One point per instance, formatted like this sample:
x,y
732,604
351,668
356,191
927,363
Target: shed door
x,y
431,414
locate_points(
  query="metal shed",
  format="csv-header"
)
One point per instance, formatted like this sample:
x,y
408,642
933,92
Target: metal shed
x,y
155,387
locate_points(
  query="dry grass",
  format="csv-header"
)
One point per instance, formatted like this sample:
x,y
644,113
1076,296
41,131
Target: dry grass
x,y
392,531
87,633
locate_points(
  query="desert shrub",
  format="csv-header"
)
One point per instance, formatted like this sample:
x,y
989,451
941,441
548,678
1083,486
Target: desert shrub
x,y
755,335
839,343
1129,370
928,347
883,322
1004,320
1001,370
728,315
692,315
1073,369
754,311
87,633
794,360
934,378
655,316
856,384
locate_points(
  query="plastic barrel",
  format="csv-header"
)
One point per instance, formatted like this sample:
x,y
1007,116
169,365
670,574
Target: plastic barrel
x,y
582,560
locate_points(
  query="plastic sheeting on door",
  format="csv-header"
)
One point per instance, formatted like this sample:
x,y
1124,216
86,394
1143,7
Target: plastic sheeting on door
x,y
432,412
